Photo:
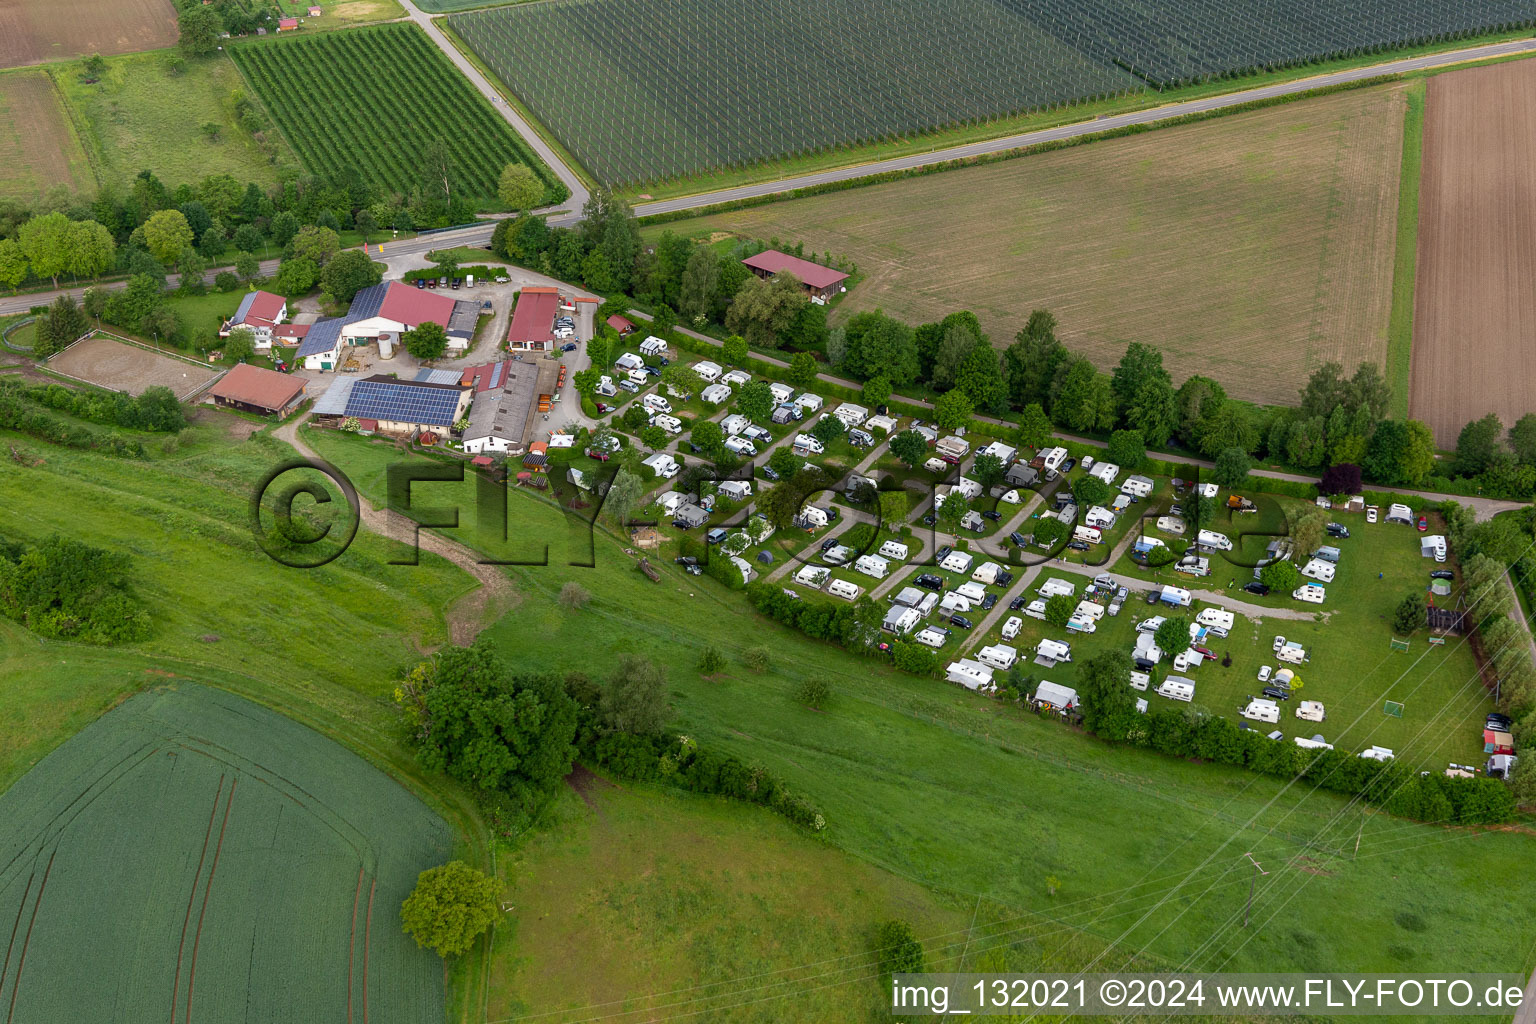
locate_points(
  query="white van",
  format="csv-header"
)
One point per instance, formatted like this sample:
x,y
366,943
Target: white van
x,y
1216,618
1140,680
1177,688
845,590
1012,626
1318,569
1311,593
1213,540
1054,586
1260,710
807,443
1054,649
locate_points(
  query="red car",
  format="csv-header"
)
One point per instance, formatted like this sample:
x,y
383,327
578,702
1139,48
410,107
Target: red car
x,y
593,453
1206,651
603,407
1423,524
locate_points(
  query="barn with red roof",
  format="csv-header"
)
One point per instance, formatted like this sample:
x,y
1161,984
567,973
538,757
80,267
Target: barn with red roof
x,y
821,283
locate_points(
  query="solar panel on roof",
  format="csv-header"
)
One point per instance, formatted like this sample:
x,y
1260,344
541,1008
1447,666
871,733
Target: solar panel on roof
x,y
496,376
401,403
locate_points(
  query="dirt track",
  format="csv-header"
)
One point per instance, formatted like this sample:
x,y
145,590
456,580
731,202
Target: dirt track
x,y
112,364
1475,302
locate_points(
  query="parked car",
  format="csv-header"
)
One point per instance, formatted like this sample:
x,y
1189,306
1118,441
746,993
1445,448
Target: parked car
x,y
420,283
602,407
629,385
1277,693
769,473
1078,545
1370,514
1423,524
832,513
1499,723
1206,652
993,515
600,456
988,601
1442,574
1338,530
654,371
1018,602
686,560
927,580
961,622
1264,671
1018,538
1152,596
940,554
1004,578
442,282
458,282
929,519
569,346
1256,588
832,542
1067,466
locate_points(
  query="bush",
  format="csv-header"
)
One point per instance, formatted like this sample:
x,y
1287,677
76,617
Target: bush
x,y
813,693
756,658
1409,615
898,949
574,597
711,661
68,590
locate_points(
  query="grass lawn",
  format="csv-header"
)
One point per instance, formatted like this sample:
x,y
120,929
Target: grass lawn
x,y
343,13
960,792
143,114
1260,245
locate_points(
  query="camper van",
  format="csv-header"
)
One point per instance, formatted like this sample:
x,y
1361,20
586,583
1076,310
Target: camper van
x,y
1318,569
1055,650
1260,710
1177,688
1213,541
1311,711
807,443
1054,586
1311,593
998,656
929,637
845,590
1140,681
1011,627
1218,620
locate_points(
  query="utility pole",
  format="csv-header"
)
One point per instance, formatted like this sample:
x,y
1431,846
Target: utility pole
x,y
1254,878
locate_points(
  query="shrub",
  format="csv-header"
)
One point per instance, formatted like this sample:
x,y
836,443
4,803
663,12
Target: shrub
x,y
574,597
898,949
756,658
813,693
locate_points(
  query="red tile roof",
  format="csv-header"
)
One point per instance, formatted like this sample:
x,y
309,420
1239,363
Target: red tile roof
x,y
266,389
290,330
288,23
265,308
413,306
621,324
480,460
534,318
813,274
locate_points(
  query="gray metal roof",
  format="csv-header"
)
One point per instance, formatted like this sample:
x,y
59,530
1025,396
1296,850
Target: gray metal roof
x,y
464,319
334,401
439,376
323,336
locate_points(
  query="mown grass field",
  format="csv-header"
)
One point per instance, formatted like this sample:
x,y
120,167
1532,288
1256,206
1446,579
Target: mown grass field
x,y
269,883
144,113
35,131
962,794
1250,248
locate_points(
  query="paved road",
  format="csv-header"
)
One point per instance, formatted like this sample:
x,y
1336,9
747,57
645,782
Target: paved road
x,y
519,124
1081,128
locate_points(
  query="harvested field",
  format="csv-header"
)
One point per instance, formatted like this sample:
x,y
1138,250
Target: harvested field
x,y
1475,298
195,853
109,363
37,138
1250,248
38,30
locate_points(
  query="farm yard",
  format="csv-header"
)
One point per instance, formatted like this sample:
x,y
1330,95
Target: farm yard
x,y
32,31
120,366
36,135
374,99
1251,248
723,99
1476,291
213,856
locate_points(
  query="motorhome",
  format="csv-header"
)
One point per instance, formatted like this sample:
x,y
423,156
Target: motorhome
x,y
1056,586
1216,618
1140,680
1311,711
1054,650
1177,688
807,443
1311,593
1213,541
1260,710
1176,596
1012,626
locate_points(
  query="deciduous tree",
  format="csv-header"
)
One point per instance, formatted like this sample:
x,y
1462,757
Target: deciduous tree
x,y
349,273
755,401
450,907
953,410
802,370
910,447
45,243
167,235
519,188
427,342
1034,429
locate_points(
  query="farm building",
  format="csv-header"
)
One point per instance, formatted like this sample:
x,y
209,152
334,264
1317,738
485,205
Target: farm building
x,y
623,325
503,406
820,283
533,321
261,312
385,311
287,24
398,406
321,347
252,389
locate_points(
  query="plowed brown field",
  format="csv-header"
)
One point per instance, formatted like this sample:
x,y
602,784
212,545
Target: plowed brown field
x,y
1474,332
39,30
1251,249
36,136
